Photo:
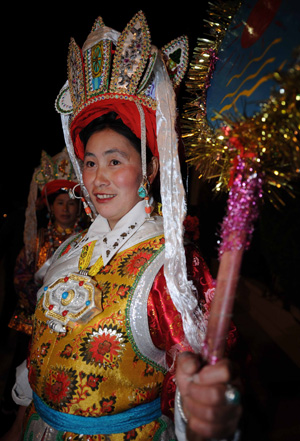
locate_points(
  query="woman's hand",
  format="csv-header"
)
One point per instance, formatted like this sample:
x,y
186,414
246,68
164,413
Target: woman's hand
x,y
203,396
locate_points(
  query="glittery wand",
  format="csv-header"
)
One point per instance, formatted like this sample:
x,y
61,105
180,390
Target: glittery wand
x,y
236,231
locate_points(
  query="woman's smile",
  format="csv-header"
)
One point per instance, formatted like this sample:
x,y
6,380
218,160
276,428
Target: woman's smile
x,y
104,197
112,174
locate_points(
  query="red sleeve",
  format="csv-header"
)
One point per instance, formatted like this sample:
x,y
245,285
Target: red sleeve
x,y
165,321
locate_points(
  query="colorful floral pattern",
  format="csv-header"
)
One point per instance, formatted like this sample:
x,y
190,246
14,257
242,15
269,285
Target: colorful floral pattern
x,y
103,346
67,352
135,261
108,405
59,387
93,381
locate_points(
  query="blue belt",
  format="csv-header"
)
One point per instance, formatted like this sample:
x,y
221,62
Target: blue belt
x,y
108,424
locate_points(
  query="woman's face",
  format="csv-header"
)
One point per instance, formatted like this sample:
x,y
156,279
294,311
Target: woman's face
x,y
65,210
112,174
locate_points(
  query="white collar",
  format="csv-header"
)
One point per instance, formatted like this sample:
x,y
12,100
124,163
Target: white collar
x,y
133,228
110,241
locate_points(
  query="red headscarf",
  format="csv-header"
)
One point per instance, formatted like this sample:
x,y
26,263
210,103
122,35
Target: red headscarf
x,y
57,184
126,110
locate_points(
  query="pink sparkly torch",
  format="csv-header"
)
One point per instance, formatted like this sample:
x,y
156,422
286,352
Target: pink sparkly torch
x,y
236,232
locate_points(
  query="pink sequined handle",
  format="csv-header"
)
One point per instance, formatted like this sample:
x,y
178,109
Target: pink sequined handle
x,y
222,305
236,233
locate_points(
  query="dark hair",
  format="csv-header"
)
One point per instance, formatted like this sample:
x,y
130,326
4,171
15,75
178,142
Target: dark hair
x,y
51,197
42,213
111,121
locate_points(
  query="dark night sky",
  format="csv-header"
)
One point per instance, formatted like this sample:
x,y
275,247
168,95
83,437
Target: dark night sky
x,y
35,53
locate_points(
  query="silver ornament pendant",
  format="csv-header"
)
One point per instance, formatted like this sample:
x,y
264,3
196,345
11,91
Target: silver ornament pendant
x,y
71,300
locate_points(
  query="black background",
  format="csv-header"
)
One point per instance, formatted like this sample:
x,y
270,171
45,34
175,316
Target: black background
x,y
35,48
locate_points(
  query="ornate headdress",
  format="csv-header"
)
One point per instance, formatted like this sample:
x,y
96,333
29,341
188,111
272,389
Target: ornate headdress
x,y
124,73
53,173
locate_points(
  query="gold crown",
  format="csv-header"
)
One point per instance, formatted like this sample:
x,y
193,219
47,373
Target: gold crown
x,y
58,167
113,65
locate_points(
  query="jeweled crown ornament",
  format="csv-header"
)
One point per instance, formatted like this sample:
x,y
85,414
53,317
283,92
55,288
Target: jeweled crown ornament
x,y
117,67
56,168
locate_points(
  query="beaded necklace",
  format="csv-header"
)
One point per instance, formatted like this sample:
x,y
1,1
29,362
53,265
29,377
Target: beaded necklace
x,y
57,234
